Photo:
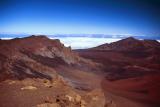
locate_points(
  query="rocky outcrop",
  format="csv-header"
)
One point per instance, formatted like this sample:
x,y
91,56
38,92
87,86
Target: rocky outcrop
x,y
45,73
38,57
55,93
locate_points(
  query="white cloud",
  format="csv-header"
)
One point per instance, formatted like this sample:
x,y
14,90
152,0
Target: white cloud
x,y
84,42
5,38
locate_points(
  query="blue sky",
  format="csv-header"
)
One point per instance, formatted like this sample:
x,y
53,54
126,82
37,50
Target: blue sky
x,y
135,17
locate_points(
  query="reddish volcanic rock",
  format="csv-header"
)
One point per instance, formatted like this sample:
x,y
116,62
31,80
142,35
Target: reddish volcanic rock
x,y
22,57
132,70
36,71
130,44
128,71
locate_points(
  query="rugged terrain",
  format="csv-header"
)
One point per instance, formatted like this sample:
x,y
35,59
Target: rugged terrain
x,y
37,71
132,70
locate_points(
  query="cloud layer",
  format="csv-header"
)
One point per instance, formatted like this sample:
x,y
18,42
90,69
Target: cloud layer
x,y
84,42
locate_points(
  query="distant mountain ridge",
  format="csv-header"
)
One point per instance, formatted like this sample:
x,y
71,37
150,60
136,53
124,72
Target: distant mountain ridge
x,y
129,44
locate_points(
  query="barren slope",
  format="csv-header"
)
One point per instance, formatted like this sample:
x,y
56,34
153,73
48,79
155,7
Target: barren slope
x,y
38,71
132,70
